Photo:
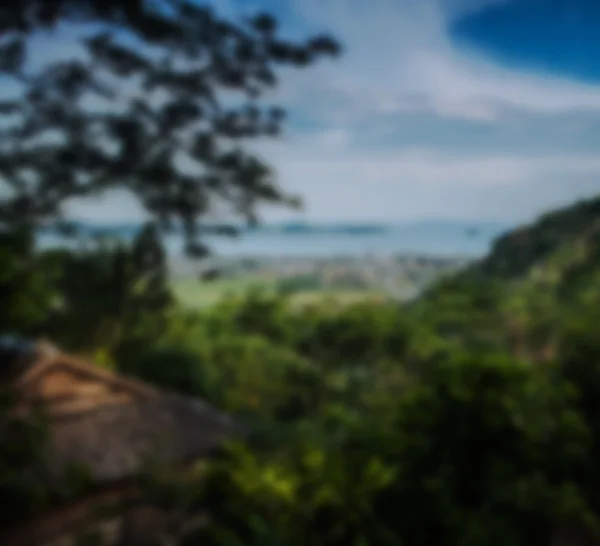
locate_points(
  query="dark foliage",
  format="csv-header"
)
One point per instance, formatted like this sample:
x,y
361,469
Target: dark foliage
x,y
143,111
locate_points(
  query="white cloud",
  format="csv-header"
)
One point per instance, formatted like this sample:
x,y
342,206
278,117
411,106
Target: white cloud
x,y
395,185
401,69
332,139
399,58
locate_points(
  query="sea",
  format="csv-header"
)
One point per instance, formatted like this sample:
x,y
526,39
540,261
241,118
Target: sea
x,y
437,238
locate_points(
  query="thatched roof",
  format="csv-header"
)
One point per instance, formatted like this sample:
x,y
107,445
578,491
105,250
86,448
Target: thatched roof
x,y
110,423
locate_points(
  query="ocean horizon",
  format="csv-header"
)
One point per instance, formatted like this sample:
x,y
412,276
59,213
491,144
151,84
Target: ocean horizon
x,y
438,238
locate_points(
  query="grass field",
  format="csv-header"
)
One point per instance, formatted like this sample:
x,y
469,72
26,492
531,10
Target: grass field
x,y
194,294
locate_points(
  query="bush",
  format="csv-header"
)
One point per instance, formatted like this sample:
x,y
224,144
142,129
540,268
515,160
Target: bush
x,y
172,368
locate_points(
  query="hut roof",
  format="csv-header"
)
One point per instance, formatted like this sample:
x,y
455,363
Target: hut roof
x,y
110,423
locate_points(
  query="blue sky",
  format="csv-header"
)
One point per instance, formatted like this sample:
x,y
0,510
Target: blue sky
x,y
462,109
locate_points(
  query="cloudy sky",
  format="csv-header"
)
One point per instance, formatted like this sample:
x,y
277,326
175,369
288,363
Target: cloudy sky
x,y
462,109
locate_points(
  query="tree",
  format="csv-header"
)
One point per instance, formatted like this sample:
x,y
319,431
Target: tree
x,y
155,73
113,297
490,451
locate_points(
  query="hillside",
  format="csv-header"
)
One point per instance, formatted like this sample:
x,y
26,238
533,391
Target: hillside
x,y
534,280
550,250
517,253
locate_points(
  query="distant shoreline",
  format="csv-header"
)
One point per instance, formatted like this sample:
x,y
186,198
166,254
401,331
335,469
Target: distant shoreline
x,y
333,241
181,267
302,228
333,258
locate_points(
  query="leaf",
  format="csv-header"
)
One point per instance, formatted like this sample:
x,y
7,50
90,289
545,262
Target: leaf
x,y
314,459
204,146
277,114
325,45
12,56
265,76
265,24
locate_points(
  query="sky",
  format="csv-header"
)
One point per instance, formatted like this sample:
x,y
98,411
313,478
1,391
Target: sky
x,y
438,109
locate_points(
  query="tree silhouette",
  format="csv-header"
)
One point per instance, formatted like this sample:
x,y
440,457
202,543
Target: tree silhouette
x,y
146,100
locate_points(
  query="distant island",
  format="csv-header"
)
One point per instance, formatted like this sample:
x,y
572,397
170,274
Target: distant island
x,y
318,229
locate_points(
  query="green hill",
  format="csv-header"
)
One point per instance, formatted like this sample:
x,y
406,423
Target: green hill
x,y
533,282
563,231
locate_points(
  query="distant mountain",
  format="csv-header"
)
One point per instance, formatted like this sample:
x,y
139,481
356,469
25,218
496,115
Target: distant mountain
x,y
316,229
459,225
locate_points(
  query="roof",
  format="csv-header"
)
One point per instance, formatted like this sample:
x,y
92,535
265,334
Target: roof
x,y
110,423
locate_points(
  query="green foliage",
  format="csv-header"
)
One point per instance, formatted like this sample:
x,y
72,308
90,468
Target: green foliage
x,y
469,417
108,297
299,283
516,253
171,368
486,442
112,295
26,284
